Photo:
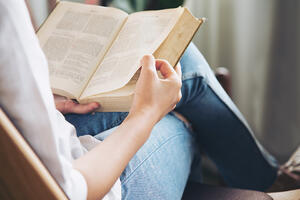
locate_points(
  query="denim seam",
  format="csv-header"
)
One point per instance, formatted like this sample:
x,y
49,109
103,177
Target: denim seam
x,y
151,153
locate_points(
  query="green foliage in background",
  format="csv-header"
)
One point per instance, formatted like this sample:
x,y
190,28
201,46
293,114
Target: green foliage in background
x,y
139,5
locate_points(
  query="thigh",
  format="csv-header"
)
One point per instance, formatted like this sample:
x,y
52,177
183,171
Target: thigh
x,y
160,169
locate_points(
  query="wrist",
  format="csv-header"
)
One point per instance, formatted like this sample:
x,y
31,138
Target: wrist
x,y
142,122
149,115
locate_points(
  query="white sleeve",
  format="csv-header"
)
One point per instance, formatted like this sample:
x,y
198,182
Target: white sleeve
x,y
26,97
79,191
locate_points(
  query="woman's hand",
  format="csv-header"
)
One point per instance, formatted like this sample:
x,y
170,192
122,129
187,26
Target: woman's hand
x,y
153,94
66,106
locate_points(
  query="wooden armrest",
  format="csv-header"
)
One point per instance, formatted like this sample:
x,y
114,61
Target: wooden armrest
x,y
22,174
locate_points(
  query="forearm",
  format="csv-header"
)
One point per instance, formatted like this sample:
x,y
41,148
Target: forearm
x,y
103,165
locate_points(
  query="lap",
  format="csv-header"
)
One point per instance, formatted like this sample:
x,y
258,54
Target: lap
x,y
210,110
160,169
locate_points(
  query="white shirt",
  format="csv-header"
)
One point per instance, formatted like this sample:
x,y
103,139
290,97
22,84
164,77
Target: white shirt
x,y
26,97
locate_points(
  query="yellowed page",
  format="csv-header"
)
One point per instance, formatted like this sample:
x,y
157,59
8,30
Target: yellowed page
x,y
116,101
75,38
179,38
142,34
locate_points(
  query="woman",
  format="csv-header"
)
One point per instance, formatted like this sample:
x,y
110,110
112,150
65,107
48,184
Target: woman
x,y
152,151
218,128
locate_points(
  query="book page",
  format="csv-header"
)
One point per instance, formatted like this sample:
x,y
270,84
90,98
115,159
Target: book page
x,y
75,38
142,34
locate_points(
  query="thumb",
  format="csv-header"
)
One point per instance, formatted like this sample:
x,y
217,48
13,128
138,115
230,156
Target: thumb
x,y
148,64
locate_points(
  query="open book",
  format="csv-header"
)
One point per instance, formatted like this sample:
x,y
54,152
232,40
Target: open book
x,y
94,52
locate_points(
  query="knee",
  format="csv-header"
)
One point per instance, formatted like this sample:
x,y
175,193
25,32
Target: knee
x,y
191,89
194,65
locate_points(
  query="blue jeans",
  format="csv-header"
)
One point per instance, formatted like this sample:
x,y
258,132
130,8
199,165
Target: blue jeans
x,y
170,157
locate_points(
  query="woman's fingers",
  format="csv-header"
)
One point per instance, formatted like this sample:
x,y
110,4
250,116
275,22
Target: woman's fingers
x,y
148,64
165,68
82,108
66,106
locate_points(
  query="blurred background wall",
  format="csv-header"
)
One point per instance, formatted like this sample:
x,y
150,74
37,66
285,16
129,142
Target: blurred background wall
x,y
259,42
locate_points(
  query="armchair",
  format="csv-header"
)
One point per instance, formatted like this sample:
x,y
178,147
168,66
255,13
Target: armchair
x,y
19,165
